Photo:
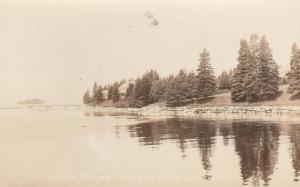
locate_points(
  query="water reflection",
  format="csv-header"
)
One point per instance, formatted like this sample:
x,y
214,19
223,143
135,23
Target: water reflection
x,y
257,146
256,143
295,149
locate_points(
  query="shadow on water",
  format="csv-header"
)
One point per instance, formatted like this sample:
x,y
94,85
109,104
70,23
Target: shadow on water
x,y
255,142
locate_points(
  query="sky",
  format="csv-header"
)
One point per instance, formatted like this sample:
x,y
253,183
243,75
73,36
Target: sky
x,y
56,49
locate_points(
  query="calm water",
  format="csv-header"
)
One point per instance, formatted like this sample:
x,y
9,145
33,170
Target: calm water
x,y
73,148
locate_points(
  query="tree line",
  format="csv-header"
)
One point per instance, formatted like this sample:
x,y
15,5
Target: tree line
x,y
176,90
255,78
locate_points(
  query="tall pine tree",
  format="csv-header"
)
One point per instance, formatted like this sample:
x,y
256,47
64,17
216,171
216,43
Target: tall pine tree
x,y
294,73
206,83
267,79
250,80
238,93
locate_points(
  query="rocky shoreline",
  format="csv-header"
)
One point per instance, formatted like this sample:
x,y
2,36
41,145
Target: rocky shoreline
x,y
159,110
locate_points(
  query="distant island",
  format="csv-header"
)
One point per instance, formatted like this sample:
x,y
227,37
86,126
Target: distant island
x,y
34,101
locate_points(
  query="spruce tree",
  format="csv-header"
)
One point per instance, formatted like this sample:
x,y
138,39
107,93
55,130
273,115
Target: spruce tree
x,y
250,79
182,88
147,79
178,91
115,95
238,93
231,77
297,72
95,87
191,84
86,97
146,84
206,83
158,90
129,90
109,92
294,81
99,97
143,88
267,78
138,92
130,94
224,81
171,94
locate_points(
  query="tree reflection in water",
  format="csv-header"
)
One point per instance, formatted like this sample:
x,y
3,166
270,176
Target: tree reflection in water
x,y
183,132
294,134
257,146
255,142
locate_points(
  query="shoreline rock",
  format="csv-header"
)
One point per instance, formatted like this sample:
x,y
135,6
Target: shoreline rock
x,y
159,110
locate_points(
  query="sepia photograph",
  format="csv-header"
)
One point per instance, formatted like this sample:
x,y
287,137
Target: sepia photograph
x,y
149,93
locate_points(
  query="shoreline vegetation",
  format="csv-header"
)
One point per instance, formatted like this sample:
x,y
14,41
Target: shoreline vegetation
x,y
254,85
217,104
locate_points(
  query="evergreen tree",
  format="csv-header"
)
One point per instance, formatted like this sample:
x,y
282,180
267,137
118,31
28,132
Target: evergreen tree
x,y
293,75
158,90
206,81
87,97
130,90
224,81
231,77
146,84
99,97
191,84
129,97
95,87
250,80
178,92
238,93
172,98
143,88
109,92
147,79
267,78
115,95
182,86
138,92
